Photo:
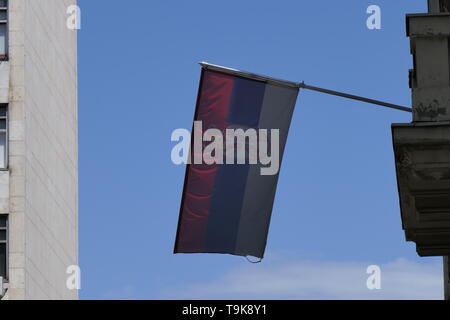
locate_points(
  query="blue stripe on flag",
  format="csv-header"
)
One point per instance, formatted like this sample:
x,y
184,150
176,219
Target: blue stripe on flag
x,y
230,183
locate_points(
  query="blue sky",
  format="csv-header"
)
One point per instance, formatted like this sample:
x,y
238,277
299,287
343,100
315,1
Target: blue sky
x,y
336,209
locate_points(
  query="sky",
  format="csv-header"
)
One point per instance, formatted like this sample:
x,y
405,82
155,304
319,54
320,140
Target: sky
x,y
336,211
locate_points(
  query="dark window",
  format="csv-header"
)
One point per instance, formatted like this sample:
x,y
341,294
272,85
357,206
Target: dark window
x,y
4,246
3,29
445,5
3,136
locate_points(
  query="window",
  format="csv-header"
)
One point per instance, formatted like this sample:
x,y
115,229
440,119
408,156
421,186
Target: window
x,y
4,246
3,29
445,5
3,136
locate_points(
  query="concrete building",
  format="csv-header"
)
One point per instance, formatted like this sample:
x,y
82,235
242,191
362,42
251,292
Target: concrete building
x,y
422,147
38,149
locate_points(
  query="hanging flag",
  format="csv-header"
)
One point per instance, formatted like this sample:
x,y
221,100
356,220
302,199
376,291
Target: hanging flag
x,y
226,206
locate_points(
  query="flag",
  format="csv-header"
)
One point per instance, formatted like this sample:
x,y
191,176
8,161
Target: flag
x,y
226,208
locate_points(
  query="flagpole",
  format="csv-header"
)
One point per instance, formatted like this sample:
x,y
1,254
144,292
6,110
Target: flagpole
x,y
354,97
446,278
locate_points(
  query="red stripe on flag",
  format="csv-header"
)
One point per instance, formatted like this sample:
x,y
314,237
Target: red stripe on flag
x,y
212,110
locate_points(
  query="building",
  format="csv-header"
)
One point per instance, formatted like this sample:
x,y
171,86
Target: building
x,y
422,147
38,149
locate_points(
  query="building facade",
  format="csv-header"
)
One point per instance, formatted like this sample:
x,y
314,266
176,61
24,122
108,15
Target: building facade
x,y
38,149
422,147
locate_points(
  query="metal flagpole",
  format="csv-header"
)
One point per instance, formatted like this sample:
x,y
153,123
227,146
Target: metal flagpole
x,y
446,278
351,96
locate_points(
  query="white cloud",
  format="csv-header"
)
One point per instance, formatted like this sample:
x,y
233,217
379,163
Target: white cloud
x,y
400,279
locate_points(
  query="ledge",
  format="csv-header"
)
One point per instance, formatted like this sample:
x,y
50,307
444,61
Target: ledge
x,y
436,24
422,162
